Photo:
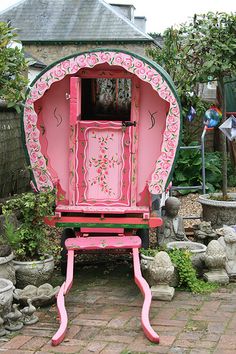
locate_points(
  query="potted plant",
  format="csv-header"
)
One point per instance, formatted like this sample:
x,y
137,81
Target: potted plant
x,y
7,270
30,240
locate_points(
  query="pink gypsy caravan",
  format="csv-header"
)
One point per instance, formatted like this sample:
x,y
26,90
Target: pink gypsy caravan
x,y
102,127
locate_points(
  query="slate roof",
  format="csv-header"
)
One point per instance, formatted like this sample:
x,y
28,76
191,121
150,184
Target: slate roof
x,y
34,62
70,20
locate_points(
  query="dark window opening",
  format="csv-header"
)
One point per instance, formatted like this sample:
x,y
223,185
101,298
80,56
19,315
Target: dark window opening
x,y
106,99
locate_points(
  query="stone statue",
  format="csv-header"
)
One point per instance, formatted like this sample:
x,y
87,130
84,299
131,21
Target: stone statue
x,y
161,271
228,241
215,259
172,228
28,313
2,329
203,232
14,319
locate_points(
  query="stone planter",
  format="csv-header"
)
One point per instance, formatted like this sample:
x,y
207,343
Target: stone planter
x,y
33,273
7,270
219,212
198,251
6,296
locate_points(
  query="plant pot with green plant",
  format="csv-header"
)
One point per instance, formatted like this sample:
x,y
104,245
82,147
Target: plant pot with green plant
x,y
185,275
31,241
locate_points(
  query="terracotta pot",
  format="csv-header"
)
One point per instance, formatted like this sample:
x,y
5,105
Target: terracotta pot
x,y
6,296
219,212
34,272
7,270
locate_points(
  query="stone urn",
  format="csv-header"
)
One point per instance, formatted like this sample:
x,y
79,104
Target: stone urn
x,y
6,296
219,212
197,250
146,262
161,271
34,272
7,269
215,259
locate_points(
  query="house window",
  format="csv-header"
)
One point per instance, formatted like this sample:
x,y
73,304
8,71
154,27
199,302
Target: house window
x,y
106,99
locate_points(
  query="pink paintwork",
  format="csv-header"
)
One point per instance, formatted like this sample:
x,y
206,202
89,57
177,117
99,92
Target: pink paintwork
x,y
104,169
144,287
117,221
46,90
102,209
103,164
92,243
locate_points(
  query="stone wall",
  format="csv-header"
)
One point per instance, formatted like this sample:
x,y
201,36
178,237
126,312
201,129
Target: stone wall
x,y
51,53
14,175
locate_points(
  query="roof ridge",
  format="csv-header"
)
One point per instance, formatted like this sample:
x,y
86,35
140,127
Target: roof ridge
x,y
125,19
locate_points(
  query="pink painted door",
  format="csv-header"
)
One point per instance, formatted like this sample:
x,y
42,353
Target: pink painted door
x,y
103,163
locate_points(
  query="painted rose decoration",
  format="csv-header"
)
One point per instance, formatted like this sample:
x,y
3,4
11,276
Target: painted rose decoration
x,y
132,64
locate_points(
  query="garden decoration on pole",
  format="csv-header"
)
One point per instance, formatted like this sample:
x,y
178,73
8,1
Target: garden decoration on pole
x,y
228,128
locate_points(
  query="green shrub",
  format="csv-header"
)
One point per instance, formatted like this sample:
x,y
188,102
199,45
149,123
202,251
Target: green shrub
x,y
188,171
187,277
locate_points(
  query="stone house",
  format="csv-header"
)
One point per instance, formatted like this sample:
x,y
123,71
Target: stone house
x,y
52,29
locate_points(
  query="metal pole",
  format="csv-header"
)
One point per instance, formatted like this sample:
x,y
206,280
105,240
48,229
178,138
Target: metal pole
x,y
203,160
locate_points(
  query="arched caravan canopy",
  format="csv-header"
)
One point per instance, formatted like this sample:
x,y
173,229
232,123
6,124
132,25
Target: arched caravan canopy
x,y
56,101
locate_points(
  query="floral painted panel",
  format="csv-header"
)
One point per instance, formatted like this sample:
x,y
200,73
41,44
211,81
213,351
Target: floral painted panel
x,y
103,163
144,71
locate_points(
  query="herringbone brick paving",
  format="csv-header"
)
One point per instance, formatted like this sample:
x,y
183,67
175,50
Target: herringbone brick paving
x,y
104,317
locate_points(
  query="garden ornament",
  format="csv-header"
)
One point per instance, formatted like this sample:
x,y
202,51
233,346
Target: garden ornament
x,y
228,128
212,117
191,114
161,272
2,329
44,295
28,314
203,232
228,241
172,228
215,259
13,319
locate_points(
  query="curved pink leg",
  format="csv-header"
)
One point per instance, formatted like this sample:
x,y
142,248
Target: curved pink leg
x,y
60,334
144,287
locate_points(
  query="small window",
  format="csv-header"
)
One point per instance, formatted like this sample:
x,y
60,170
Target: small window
x,y
106,99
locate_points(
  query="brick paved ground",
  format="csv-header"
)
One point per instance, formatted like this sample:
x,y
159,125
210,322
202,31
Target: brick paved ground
x,y
104,317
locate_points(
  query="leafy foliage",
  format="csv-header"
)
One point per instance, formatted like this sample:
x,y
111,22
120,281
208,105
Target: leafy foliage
x,y
187,276
188,170
31,239
197,52
13,68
